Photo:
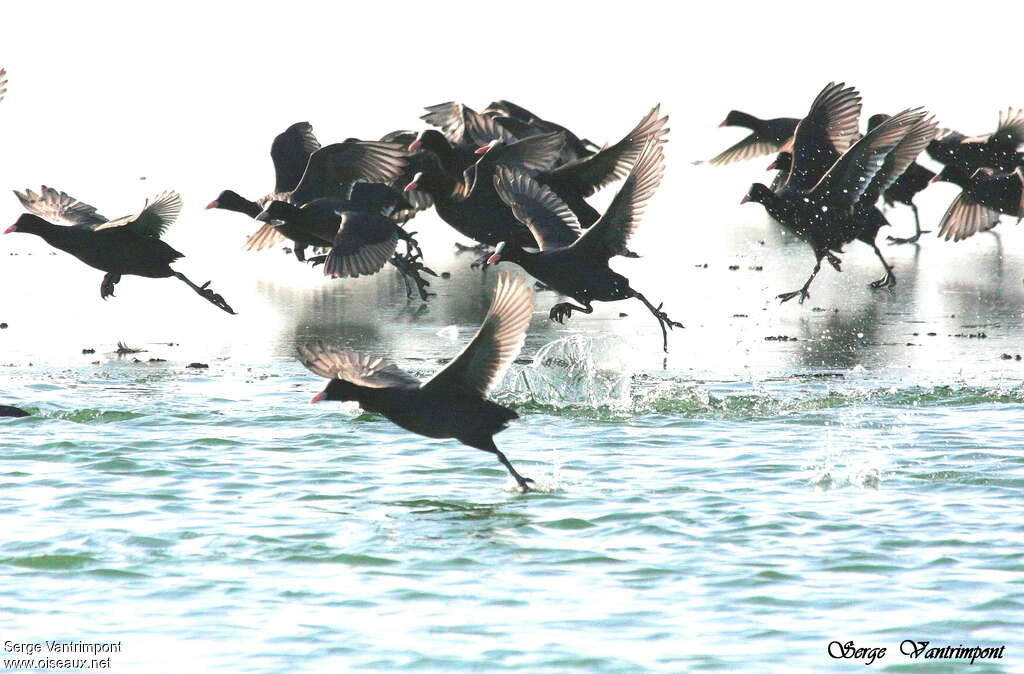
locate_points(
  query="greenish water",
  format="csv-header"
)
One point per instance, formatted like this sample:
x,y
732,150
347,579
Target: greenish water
x,y
734,507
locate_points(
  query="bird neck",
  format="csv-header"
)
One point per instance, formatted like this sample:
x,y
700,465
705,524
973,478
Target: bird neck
x,y
436,144
738,118
774,204
33,224
439,184
239,204
250,208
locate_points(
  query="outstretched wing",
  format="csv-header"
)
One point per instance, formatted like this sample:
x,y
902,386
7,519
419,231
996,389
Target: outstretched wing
x,y
363,245
481,130
536,153
56,206
496,344
264,237
549,219
154,219
750,147
1008,136
290,153
828,130
965,217
900,159
610,234
340,164
612,163
450,117
334,363
845,183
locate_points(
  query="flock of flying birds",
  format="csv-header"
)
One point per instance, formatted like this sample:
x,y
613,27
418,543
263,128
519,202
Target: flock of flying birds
x,y
518,185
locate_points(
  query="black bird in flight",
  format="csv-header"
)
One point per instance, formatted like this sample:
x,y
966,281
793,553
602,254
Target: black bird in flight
x,y
129,245
451,404
576,264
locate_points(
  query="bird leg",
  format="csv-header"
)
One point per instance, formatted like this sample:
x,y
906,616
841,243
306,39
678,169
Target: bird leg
x,y
887,281
107,287
207,294
564,310
836,263
413,251
317,260
918,231
833,260
411,269
663,319
520,480
300,253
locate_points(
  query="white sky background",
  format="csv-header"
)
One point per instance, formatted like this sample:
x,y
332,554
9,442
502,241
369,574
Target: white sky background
x,y
191,95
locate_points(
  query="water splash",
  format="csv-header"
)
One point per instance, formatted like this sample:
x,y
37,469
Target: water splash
x,y
590,378
574,371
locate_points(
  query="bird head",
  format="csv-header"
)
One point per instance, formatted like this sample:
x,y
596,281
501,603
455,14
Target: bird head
x,y
495,257
734,118
484,149
414,183
27,224
758,193
228,200
783,162
951,174
338,390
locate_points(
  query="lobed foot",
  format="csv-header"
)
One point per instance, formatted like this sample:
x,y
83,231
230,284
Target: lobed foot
x,y
663,317
524,483
411,268
560,312
887,281
412,247
107,286
214,298
785,297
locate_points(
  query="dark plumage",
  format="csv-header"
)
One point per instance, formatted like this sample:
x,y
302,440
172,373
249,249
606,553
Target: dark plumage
x,y
522,123
912,181
579,268
471,206
290,153
314,172
997,150
359,231
829,195
767,136
451,404
6,410
465,130
983,197
581,178
129,245
469,203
